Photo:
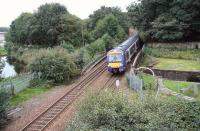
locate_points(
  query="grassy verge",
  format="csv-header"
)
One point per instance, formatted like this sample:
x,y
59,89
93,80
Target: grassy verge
x,y
26,94
171,84
3,52
177,64
177,85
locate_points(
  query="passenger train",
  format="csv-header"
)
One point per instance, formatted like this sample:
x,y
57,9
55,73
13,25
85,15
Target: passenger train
x,y
120,56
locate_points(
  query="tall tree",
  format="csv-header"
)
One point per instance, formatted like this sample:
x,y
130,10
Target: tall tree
x,y
104,11
19,28
166,20
44,25
110,25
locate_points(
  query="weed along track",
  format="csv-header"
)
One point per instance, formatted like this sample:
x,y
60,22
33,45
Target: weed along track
x,y
45,118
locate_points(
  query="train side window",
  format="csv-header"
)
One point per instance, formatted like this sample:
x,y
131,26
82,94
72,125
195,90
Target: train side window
x,y
127,55
131,50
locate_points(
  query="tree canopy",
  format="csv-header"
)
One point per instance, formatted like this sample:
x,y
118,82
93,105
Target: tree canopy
x,y
166,20
50,25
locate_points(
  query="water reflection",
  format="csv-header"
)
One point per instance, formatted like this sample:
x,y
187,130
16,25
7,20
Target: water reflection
x,y
8,70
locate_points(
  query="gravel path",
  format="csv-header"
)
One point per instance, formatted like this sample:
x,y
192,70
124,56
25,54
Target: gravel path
x,y
34,107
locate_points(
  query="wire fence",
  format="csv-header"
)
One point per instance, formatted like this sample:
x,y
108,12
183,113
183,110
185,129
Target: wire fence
x,y
16,84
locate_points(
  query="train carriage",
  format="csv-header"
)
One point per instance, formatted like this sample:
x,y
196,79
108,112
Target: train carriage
x,y
120,56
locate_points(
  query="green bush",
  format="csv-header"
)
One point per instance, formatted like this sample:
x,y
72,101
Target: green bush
x,y
96,47
116,111
4,96
81,57
54,65
67,46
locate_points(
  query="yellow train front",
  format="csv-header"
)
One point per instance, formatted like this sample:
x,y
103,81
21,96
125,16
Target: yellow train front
x,y
116,61
119,57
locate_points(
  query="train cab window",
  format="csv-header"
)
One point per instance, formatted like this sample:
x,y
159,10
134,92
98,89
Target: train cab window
x,y
115,58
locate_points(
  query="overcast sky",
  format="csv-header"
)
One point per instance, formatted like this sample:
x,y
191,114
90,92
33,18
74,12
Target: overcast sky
x,y
11,9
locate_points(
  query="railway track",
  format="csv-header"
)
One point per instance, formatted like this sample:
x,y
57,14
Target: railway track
x,y
45,118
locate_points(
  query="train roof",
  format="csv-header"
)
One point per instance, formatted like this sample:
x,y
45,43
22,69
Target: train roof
x,y
126,44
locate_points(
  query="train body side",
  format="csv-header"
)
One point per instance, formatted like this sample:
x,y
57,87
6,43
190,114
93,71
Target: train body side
x,y
120,56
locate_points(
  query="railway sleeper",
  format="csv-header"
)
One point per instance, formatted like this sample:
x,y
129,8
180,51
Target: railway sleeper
x,y
64,101
48,116
53,113
56,109
65,98
74,92
62,104
41,122
33,129
37,126
45,118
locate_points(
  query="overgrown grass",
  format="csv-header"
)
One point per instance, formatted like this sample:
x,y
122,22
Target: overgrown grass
x,y
189,54
177,64
26,94
177,85
171,84
3,52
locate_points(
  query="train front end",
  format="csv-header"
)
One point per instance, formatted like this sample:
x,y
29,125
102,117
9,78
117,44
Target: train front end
x,y
116,61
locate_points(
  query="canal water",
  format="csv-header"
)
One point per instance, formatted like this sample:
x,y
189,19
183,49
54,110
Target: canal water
x,y
6,69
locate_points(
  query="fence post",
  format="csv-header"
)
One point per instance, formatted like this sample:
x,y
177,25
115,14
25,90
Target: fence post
x,y
12,88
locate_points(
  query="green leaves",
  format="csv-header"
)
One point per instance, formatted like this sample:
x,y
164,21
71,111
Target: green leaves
x,y
166,20
4,97
54,65
116,111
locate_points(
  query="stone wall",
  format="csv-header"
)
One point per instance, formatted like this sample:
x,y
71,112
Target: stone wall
x,y
177,75
189,45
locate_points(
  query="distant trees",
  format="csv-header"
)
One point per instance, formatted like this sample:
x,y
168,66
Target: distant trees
x,y
110,25
44,26
19,29
4,29
166,20
48,26
104,11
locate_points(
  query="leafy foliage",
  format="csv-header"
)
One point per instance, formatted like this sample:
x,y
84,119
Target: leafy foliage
x,y
103,12
166,20
54,65
116,111
48,26
67,46
95,47
4,96
19,29
110,25
81,57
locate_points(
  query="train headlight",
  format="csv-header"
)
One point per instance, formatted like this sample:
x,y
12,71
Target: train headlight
x,y
120,64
